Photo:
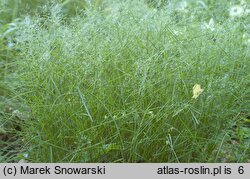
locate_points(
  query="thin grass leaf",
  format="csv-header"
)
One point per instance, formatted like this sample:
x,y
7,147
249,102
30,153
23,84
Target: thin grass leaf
x,y
84,104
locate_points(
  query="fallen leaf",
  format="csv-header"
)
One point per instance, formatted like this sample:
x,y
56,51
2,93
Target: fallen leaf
x,y
197,91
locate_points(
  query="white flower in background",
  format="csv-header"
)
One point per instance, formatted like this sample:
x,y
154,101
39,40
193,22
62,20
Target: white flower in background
x,y
236,11
210,25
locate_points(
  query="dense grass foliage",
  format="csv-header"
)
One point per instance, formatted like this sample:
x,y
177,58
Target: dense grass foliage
x,y
115,83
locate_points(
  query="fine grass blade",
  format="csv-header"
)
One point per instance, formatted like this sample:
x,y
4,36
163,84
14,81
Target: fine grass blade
x,y
84,104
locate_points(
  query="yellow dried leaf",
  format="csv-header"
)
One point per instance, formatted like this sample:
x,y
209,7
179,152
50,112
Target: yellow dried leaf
x,y
197,91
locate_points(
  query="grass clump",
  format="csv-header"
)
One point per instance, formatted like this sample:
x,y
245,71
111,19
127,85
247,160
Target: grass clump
x,y
115,84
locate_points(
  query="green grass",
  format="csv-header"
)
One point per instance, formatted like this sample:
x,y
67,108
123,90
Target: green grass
x,y
114,83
